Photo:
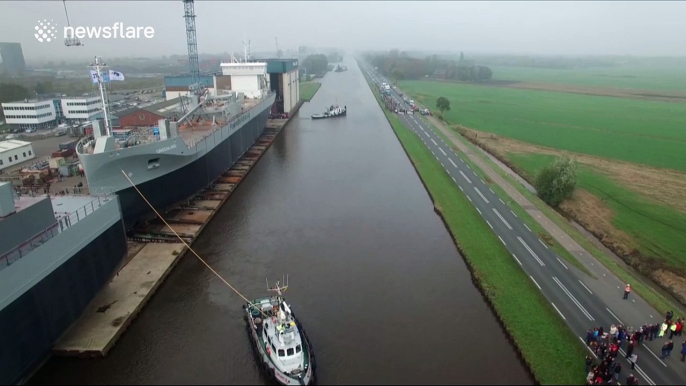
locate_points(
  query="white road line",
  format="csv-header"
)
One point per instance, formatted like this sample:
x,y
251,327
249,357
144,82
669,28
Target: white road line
x,y
566,291
527,227
502,241
437,158
542,243
563,264
476,175
470,199
427,134
468,167
656,357
491,190
582,283
501,218
432,140
460,188
501,200
442,151
611,313
513,255
534,280
589,349
558,311
454,180
530,251
443,166
515,214
477,209
451,161
465,177
482,196
638,369
489,224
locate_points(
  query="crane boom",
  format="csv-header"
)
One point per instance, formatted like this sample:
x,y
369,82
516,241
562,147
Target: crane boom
x,y
192,42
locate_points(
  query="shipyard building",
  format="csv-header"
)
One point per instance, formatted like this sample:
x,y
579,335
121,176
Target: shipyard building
x,y
13,152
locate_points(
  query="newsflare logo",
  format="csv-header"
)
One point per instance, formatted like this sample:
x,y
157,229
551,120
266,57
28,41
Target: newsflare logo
x,y
46,31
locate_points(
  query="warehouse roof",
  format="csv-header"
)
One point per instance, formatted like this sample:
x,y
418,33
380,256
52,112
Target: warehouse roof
x,y
12,144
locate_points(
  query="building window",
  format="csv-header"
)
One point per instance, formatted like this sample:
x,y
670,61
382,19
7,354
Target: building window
x,y
1,162
24,154
29,152
16,157
10,159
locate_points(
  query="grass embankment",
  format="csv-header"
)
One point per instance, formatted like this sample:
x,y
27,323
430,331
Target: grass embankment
x,y
551,350
642,132
649,294
639,78
308,89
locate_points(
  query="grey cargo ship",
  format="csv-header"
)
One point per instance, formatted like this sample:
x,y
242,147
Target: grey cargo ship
x,y
188,153
56,253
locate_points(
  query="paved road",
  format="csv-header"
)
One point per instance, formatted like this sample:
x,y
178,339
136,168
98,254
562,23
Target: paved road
x,y
566,287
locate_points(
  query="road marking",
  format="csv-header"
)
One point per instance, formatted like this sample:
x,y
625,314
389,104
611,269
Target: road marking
x,y
513,255
427,134
491,190
534,280
454,180
527,227
542,243
611,313
501,218
566,291
656,357
432,140
465,177
479,211
489,224
589,349
502,241
444,166
436,158
470,199
638,369
501,200
563,264
530,251
451,161
558,311
468,167
589,291
482,196
460,188
651,316
476,175
515,214
441,149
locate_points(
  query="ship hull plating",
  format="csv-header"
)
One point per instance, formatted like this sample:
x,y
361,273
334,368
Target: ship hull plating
x,y
182,171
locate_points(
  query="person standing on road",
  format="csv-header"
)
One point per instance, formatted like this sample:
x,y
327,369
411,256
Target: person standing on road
x,y
663,328
630,348
617,370
630,379
683,350
670,347
672,330
627,290
665,349
669,315
589,362
655,330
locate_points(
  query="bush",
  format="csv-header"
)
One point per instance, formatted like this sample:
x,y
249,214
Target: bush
x,y
557,181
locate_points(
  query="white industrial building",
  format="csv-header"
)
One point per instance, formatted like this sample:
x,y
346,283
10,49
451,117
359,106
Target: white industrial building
x,y
13,152
31,114
79,110
247,78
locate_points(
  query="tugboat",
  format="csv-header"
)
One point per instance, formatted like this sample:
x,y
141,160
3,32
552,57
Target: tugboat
x,y
280,342
332,112
340,68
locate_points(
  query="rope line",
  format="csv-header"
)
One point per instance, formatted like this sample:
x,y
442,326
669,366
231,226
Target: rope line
x,y
189,247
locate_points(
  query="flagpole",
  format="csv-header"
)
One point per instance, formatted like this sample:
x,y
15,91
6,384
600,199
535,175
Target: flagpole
x,y
101,86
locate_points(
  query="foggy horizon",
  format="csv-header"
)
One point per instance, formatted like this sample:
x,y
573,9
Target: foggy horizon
x,y
528,28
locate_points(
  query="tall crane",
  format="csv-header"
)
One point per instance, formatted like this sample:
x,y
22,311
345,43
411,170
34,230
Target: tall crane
x,y
70,41
192,42
279,53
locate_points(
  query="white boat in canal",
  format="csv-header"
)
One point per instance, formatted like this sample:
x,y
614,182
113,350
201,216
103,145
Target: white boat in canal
x,y
281,344
332,112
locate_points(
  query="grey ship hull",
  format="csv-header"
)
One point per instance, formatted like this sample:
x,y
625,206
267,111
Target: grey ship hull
x,y
182,172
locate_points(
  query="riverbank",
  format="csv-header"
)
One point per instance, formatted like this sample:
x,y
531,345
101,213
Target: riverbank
x,y
523,311
308,89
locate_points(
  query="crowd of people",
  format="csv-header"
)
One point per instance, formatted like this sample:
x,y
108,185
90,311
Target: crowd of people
x,y
606,345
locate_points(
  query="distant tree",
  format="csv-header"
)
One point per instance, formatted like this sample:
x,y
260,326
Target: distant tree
x,y
484,73
557,181
316,64
443,104
461,56
397,74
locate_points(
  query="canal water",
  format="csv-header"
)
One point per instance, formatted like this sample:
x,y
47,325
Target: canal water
x,y
374,276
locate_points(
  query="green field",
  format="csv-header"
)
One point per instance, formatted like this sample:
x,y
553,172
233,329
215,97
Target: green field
x,y
643,132
639,78
659,230
308,89
555,359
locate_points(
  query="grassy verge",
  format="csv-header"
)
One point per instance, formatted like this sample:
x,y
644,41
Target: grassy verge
x,y
554,359
515,207
308,89
649,294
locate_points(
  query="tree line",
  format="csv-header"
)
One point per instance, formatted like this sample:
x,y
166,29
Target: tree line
x,y
316,64
399,65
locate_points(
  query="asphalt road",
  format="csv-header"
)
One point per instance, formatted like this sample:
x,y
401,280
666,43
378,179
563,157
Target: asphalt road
x,y
566,287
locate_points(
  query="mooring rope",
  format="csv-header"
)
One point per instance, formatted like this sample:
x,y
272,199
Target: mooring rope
x,y
189,247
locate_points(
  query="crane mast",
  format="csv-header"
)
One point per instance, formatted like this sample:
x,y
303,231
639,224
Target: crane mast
x,y
192,42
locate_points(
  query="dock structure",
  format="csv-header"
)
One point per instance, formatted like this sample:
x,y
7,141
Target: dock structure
x,y
156,250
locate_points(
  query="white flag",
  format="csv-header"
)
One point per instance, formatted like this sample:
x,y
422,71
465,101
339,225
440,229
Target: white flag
x,y
116,75
94,76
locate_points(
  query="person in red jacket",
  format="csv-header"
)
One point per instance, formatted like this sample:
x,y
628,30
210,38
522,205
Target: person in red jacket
x,y
627,291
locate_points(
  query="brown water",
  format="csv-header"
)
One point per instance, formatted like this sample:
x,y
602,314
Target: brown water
x,y
374,275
